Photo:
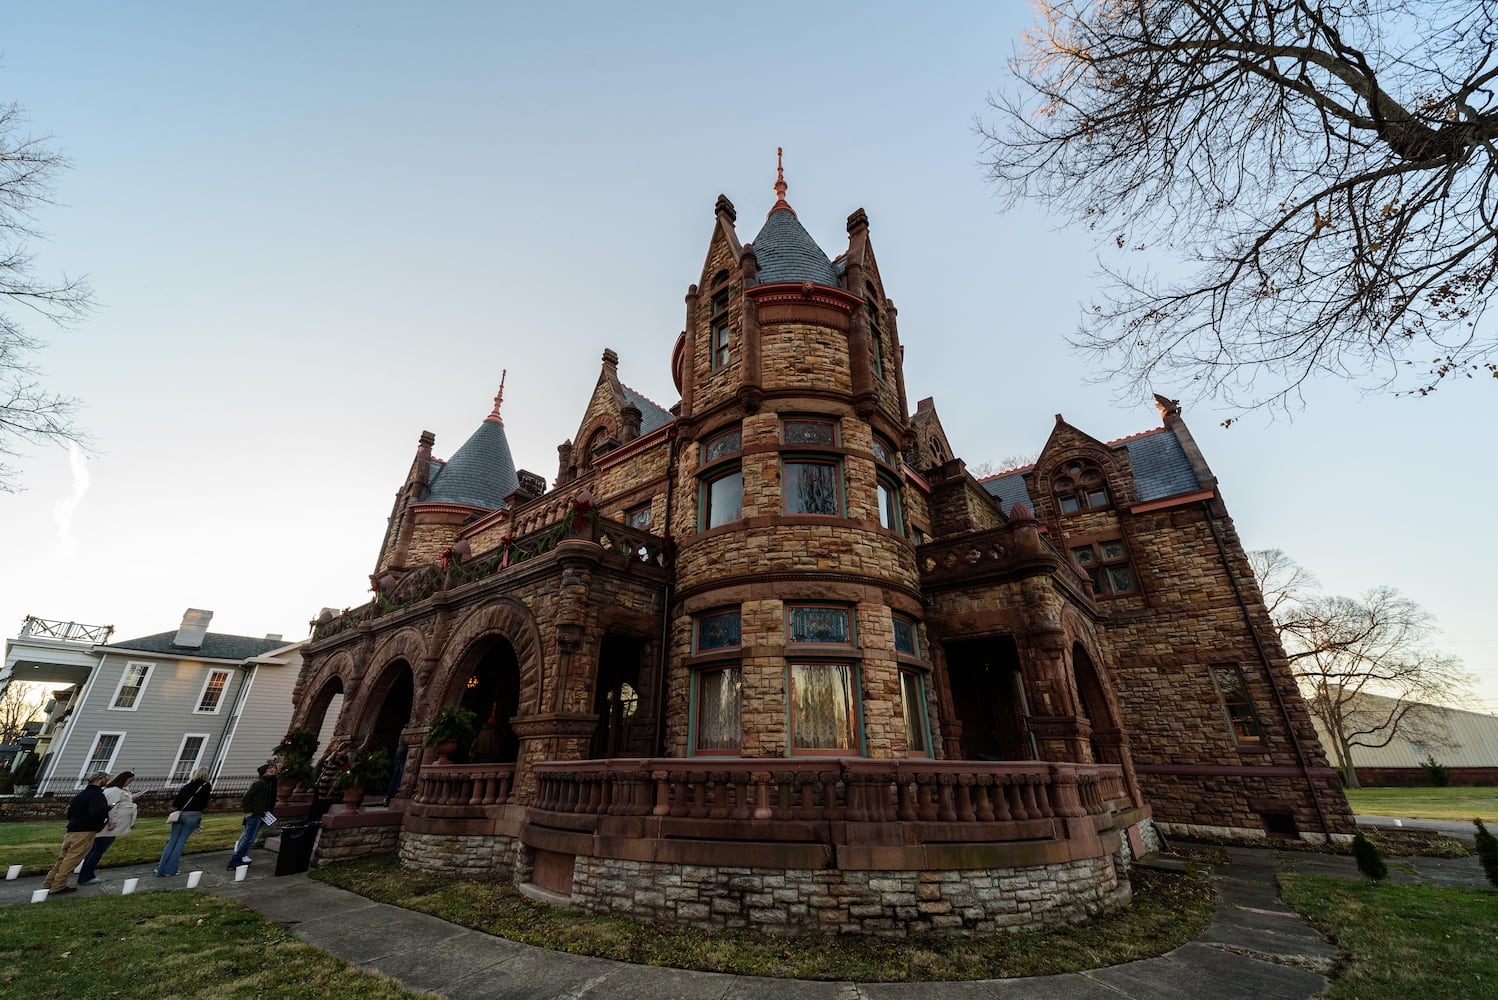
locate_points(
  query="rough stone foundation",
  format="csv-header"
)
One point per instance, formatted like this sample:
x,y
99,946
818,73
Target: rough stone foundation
x,y
334,846
887,904
488,856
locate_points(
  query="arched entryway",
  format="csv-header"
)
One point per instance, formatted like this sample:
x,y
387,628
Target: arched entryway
x,y
491,690
393,694
988,695
324,710
622,717
1106,738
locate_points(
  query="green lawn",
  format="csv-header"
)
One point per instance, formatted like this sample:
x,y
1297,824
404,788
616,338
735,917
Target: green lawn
x,y
1403,941
36,844
1461,804
168,945
1168,911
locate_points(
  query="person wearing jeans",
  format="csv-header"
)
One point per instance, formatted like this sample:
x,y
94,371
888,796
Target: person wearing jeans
x,y
256,803
190,801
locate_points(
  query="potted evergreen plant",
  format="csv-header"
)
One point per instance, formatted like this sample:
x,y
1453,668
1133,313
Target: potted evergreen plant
x,y
450,728
367,768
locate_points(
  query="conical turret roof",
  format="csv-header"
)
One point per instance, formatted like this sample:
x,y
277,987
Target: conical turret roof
x,y
784,250
481,473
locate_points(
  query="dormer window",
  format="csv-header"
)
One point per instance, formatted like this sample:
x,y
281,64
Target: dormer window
x,y
1080,486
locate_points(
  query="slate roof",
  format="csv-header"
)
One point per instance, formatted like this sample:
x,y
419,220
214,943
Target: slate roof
x,y
651,415
786,252
1160,466
1161,470
479,474
216,646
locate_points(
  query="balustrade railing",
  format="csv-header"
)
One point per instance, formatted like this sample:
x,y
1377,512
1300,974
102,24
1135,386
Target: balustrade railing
x,y
46,628
867,791
464,784
541,536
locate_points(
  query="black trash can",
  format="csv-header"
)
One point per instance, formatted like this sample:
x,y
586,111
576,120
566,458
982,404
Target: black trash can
x,y
297,840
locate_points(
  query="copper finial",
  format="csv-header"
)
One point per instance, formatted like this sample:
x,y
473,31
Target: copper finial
x,y
780,184
499,397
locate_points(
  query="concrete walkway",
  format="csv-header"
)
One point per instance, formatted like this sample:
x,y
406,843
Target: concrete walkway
x,y
1254,948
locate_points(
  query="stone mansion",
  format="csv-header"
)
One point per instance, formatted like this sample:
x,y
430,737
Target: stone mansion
x,y
772,657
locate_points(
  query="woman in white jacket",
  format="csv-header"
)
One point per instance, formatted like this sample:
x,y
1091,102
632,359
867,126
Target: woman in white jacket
x,y
122,813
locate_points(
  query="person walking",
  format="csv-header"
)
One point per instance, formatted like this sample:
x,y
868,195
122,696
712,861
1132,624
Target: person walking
x,y
188,805
87,815
121,820
256,803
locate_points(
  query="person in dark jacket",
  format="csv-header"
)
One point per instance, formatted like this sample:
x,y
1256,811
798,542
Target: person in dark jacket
x,y
189,802
256,803
87,814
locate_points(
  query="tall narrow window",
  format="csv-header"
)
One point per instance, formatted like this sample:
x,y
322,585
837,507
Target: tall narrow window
x,y
913,705
723,483
132,684
876,334
1237,704
719,323
723,498
188,756
889,506
101,757
822,714
213,691
717,723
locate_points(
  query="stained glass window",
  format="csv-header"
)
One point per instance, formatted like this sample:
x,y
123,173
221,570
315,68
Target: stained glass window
x,y
719,631
812,623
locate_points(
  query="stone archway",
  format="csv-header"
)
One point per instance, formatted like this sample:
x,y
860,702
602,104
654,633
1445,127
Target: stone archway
x,y
324,712
505,619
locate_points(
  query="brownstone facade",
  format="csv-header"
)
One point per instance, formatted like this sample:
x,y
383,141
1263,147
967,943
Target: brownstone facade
x,y
778,637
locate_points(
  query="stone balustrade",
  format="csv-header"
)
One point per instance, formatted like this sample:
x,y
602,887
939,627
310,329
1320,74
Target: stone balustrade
x,y
991,801
464,785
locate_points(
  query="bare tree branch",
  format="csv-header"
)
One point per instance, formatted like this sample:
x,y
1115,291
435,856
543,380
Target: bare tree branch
x,y
30,414
1328,170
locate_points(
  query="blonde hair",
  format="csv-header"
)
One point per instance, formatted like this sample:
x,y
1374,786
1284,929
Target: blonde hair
x,y
201,774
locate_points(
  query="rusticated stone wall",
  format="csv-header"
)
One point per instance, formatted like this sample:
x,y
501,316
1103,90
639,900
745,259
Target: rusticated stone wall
x,y
334,846
887,904
486,856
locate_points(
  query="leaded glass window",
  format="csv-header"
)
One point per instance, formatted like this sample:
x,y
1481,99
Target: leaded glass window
x,y
814,623
719,631
725,444
905,641
819,432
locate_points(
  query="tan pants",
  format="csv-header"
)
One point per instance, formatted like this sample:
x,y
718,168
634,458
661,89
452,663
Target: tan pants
x,y
74,847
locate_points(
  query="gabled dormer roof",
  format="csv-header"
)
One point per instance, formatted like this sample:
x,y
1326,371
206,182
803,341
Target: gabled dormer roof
x,y
1161,469
479,474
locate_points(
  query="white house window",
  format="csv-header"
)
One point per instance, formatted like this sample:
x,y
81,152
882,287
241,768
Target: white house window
x,y
213,691
127,695
101,757
188,756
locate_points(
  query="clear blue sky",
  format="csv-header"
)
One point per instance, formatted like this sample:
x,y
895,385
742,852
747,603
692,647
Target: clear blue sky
x,y
315,230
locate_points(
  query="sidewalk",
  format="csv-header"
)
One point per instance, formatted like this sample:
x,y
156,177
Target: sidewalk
x,y
1254,948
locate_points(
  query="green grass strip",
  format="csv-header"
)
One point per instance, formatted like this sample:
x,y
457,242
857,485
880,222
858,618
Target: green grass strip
x,y
168,946
1403,941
